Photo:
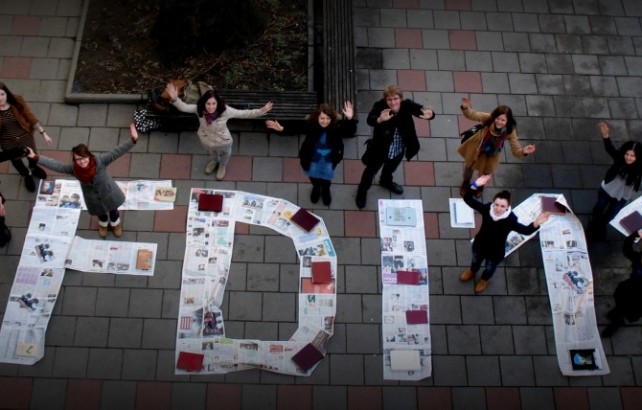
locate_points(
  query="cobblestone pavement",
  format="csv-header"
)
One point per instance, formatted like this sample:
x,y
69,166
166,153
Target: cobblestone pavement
x,y
560,64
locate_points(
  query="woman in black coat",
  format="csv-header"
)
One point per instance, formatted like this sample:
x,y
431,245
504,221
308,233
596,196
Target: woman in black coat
x,y
498,221
322,148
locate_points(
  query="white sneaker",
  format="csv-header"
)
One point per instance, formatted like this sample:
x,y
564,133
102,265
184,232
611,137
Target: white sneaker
x,y
210,167
220,174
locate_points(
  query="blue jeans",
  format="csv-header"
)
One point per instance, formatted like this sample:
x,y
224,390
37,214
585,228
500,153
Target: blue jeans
x,y
606,206
489,267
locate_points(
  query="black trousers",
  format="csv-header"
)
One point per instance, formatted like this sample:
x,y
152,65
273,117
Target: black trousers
x,y
389,167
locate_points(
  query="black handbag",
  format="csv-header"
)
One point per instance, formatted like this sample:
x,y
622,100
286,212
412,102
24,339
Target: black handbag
x,y
469,133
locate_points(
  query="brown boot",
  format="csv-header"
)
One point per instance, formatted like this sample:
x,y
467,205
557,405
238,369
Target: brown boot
x,y
481,286
102,231
117,230
467,275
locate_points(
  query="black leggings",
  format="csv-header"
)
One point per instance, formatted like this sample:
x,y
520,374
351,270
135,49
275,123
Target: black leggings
x,y
113,216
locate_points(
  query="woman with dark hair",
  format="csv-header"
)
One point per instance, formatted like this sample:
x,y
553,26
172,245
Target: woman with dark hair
x,y
498,221
322,148
213,114
621,180
102,194
17,125
481,151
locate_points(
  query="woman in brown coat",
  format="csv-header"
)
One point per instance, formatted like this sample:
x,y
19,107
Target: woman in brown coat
x,y
481,152
17,125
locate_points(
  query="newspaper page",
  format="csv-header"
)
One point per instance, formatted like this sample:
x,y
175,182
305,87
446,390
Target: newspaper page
x,y
119,257
139,195
569,280
206,267
633,206
461,215
405,305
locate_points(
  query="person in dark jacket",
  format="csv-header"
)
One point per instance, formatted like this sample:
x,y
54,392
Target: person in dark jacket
x,y
394,136
102,195
622,179
322,148
628,293
498,221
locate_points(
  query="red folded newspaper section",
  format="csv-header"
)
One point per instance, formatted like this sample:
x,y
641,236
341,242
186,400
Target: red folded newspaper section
x,y
305,220
307,357
191,362
321,272
210,202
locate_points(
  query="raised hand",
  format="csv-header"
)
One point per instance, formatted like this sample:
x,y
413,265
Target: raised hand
x,y
482,180
604,129
529,149
267,107
171,90
274,125
348,110
465,102
426,112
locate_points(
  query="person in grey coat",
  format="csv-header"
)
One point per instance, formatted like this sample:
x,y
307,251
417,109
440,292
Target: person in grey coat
x,y
102,195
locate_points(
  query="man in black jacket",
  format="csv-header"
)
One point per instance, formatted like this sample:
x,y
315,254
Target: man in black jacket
x,y
393,137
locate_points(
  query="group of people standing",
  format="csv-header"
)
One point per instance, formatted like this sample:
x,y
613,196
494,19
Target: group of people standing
x,y
394,137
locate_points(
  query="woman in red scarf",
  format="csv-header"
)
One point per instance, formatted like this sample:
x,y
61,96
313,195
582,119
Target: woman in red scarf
x,y
481,152
102,195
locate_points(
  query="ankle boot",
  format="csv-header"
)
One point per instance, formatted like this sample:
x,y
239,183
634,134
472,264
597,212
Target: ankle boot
x,y
316,193
326,195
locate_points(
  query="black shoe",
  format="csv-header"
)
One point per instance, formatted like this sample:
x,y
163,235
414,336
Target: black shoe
x,y
392,187
326,196
361,200
38,172
316,194
29,184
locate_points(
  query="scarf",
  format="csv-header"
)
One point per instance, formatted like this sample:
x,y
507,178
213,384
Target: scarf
x,y
86,175
210,118
500,217
492,144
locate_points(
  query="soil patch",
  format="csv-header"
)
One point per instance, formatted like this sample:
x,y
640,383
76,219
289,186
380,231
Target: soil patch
x,y
118,55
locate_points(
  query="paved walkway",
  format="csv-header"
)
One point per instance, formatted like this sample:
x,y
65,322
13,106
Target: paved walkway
x,y
561,65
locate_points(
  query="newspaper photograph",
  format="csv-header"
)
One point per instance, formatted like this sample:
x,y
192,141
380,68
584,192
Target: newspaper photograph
x,y
119,257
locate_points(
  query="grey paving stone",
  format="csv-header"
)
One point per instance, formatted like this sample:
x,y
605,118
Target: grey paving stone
x,y
262,277
522,83
604,398
380,79
399,397
70,362
477,310
435,39
604,86
248,248
92,115
104,364
381,37
279,307
329,397
621,372
145,303
261,331
478,60
496,340
420,19
91,332
463,340
538,310
366,17
547,371
79,301
118,395
245,306
159,334
449,370
337,343
346,369
131,281
451,60
535,398
509,310
361,279
550,23
349,308
516,42
517,370
144,166
446,19
61,330
371,308
370,252
41,369
445,310
489,41
125,333
60,48
483,371
532,63
393,18
363,339
620,46
396,59
193,395
170,304
505,62
623,108
627,341
48,393
280,249
529,340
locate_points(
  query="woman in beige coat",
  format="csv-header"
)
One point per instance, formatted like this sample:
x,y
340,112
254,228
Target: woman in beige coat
x,y
481,152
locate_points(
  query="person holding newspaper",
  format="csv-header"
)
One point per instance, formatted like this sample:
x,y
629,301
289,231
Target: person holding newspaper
x,y
498,221
622,179
102,195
